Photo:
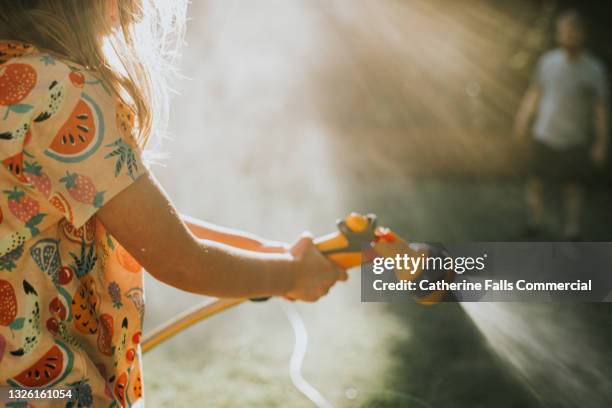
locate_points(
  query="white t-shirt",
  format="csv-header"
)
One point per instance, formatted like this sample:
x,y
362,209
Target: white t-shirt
x,y
569,90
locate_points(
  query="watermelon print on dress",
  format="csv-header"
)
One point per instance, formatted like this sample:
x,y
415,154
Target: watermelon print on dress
x,y
14,164
81,135
49,370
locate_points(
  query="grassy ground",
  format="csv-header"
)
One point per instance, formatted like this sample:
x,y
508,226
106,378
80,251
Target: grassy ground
x,y
298,112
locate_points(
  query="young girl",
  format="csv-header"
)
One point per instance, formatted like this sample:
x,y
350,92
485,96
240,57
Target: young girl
x,y
80,214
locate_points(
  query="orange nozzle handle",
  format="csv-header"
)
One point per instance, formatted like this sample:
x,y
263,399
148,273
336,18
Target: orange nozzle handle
x,y
345,246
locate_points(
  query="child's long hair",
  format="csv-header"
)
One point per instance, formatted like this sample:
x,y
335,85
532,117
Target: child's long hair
x,y
134,59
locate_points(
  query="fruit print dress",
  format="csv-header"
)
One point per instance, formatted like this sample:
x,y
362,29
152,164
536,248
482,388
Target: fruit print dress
x,y
71,298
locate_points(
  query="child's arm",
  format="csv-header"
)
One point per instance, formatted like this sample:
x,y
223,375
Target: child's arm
x,y
145,222
227,236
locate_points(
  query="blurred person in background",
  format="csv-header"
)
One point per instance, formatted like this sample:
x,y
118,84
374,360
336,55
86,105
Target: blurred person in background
x,y
568,100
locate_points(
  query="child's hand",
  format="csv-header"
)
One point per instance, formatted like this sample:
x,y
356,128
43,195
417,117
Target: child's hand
x,y
314,274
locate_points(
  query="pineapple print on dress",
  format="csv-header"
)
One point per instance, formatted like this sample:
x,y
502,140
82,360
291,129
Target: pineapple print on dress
x,y
85,299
